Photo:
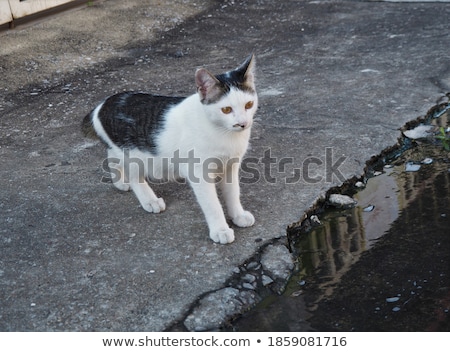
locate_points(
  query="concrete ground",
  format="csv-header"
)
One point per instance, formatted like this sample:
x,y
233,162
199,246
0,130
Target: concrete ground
x,y
336,81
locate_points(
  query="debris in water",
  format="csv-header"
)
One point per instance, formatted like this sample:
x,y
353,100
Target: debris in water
x,y
395,309
377,173
369,208
388,166
427,161
421,131
315,220
392,299
411,167
341,201
296,293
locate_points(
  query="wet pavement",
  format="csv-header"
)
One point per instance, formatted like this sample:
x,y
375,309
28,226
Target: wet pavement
x,y
76,255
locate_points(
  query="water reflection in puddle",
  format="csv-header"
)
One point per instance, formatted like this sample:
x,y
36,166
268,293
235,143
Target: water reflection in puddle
x,y
399,194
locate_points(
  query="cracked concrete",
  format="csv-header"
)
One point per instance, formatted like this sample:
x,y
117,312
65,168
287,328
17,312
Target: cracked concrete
x,y
336,80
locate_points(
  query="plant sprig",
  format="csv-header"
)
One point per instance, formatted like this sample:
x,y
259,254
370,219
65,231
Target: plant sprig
x,y
442,136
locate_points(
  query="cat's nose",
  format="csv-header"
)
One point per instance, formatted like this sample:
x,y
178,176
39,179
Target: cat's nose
x,y
241,125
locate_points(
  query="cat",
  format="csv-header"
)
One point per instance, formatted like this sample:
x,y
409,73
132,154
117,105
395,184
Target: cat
x,y
201,138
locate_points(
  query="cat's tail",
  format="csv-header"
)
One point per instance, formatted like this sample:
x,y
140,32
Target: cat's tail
x,y
87,126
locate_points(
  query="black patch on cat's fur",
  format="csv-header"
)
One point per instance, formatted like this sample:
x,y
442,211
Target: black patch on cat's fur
x,y
132,120
235,79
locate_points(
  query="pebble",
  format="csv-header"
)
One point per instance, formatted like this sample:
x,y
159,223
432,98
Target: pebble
x,y
411,167
421,131
266,280
392,299
340,200
253,266
249,278
315,220
369,208
359,184
427,161
248,286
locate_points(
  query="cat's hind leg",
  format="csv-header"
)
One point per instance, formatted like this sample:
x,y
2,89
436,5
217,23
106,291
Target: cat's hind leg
x,y
136,174
148,199
116,168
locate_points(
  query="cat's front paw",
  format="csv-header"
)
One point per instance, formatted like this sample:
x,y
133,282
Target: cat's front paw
x,y
155,206
246,219
222,236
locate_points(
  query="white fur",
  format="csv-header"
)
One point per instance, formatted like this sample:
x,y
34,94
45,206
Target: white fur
x,y
193,129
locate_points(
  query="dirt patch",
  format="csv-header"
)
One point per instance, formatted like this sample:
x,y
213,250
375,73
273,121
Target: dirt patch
x,y
80,41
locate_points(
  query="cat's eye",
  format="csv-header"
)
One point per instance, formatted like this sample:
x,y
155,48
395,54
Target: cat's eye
x,y
227,110
249,105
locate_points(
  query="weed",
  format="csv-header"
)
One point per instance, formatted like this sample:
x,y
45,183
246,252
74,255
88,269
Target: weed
x,y
442,136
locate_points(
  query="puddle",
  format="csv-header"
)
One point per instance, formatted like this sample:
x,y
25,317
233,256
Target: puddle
x,y
382,265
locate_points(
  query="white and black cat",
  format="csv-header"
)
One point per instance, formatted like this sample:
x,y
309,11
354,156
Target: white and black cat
x,y
201,138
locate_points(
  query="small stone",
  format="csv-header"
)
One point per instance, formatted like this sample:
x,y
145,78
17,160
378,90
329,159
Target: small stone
x,y
248,286
315,220
266,280
411,167
249,278
359,184
421,131
341,201
369,208
392,299
252,266
427,161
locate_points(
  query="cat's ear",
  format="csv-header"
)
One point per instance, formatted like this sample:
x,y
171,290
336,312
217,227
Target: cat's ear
x,y
208,86
247,68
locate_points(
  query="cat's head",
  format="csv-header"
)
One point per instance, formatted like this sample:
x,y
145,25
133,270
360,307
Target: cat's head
x,y
230,98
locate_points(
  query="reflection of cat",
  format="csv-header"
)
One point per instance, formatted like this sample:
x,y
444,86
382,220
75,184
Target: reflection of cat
x,y
201,138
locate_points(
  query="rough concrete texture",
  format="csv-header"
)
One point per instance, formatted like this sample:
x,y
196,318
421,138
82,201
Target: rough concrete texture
x,y
336,79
